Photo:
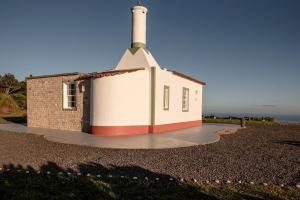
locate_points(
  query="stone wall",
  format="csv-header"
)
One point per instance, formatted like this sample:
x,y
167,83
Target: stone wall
x,y
45,104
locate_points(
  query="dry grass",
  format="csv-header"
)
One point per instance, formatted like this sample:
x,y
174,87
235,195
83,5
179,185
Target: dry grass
x,y
8,104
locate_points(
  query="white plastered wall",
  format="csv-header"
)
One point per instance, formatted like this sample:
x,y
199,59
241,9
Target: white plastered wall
x,y
175,113
141,58
121,100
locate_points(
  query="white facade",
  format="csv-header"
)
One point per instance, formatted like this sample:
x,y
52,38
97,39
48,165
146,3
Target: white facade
x,y
175,114
120,101
127,99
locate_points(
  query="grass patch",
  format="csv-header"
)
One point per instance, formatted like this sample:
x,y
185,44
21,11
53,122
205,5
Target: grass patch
x,y
8,104
16,185
12,108
20,99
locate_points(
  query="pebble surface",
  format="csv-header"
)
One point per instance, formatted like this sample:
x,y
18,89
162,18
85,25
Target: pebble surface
x,y
259,153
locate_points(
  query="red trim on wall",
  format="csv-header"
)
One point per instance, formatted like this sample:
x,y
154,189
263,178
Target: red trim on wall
x,y
175,126
143,129
118,130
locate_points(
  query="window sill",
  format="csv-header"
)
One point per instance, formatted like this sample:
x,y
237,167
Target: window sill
x,y
69,109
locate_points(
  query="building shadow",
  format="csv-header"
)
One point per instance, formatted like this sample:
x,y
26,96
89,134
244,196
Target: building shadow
x,y
85,89
289,142
16,119
54,182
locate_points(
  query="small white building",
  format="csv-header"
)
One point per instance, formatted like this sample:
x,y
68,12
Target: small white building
x,y
137,97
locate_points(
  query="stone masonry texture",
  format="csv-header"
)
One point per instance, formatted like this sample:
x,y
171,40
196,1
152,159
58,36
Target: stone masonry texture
x,y
45,104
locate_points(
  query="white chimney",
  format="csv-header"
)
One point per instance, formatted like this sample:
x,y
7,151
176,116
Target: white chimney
x,y
138,56
139,18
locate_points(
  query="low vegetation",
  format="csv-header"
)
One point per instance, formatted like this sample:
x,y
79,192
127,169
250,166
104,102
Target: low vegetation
x,y
237,120
12,98
30,185
9,105
2,121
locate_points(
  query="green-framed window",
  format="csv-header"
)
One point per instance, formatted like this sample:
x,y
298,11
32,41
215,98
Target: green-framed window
x,y
185,99
166,97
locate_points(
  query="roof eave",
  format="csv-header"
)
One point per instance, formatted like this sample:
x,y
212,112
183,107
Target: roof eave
x,y
187,77
53,75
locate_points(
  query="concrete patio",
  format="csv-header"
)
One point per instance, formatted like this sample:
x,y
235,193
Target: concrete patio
x,y
205,134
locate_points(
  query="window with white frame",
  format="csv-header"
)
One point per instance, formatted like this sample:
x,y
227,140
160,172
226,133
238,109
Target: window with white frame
x,y
185,99
166,97
69,95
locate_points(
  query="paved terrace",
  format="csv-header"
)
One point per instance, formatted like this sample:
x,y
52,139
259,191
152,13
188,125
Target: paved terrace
x,y
201,135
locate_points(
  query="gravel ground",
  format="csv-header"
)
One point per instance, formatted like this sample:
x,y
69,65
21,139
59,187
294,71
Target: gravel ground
x,y
259,153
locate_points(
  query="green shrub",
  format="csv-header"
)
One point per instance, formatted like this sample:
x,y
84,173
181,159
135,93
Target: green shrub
x,y
20,100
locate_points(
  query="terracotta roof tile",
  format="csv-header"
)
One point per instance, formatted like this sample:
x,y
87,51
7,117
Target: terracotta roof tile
x,y
53,75
187,77
108,73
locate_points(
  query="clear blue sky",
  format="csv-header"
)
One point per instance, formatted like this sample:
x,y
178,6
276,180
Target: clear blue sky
x,y
248,52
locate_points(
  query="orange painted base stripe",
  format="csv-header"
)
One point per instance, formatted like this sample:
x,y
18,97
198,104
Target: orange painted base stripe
x,y
143,129
175,126
119,130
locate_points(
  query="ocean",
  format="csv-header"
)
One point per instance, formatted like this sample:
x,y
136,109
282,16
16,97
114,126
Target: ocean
x,y
279,118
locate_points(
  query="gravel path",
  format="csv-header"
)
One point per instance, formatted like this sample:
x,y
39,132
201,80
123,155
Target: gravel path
x,y
259,153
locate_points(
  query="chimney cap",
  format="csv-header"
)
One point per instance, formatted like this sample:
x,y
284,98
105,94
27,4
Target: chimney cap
x,y
139,3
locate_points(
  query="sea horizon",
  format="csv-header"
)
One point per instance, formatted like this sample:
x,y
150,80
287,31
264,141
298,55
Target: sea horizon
x,y
278,117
